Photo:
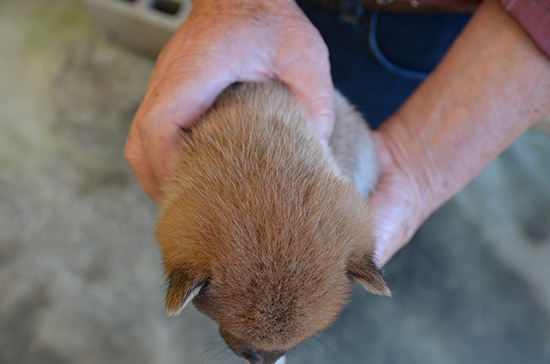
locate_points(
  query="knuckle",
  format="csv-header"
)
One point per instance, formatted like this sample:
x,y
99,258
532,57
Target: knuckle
x,y
130,155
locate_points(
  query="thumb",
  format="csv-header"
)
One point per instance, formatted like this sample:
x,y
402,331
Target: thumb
x,y
311,83
393,206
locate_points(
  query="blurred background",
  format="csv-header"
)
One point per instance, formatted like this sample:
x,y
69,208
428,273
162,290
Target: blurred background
x,y
80,274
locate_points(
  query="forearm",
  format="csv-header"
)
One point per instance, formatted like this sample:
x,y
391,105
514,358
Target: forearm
x,y
491,86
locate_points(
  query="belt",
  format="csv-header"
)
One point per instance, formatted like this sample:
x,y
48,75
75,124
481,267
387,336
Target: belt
x,y
397,6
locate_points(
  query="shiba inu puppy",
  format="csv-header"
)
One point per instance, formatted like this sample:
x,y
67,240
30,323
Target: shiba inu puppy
x,y
263,228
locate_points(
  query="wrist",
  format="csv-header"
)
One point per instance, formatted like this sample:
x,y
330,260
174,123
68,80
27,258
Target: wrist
x,y
420,179
399,156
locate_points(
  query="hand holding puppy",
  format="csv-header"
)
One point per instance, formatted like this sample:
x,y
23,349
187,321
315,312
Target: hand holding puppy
x,y
220,43
491,86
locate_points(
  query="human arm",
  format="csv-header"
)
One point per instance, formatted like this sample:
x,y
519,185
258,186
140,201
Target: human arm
x,y
222,42
489,88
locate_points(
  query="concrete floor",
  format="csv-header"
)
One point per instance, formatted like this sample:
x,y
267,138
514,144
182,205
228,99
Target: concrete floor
x,y
80,275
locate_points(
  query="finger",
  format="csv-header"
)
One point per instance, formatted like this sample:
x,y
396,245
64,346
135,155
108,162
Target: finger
x,y
139,165
391,206
317,98
389,220
307,74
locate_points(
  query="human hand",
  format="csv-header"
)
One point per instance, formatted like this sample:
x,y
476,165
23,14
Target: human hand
x,y
222,42
489,88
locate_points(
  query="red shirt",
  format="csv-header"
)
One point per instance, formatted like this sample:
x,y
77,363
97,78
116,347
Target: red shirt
x,y
534,18
532,15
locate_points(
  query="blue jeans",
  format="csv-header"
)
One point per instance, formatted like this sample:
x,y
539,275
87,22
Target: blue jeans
x,y
379,63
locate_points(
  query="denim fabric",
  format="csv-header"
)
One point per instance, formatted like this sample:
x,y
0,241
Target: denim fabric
x,y
406,47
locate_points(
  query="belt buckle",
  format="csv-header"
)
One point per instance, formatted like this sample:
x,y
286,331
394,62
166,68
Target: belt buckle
x,y
351,11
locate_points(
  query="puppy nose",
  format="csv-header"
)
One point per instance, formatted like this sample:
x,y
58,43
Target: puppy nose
x,y
262,357
250,354
282,360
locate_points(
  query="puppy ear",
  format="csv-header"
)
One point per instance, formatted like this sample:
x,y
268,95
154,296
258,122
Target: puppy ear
x,y
183,286
363,270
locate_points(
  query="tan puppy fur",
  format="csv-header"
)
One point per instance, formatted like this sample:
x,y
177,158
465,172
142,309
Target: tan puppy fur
x,y
263,228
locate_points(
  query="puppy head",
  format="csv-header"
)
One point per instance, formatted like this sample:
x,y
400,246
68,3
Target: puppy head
x,y
271,270
260,229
